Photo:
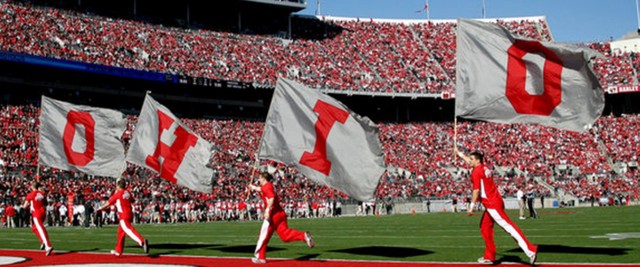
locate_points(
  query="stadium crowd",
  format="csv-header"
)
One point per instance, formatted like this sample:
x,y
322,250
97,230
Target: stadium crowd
x,y
365,55
418,155
415,57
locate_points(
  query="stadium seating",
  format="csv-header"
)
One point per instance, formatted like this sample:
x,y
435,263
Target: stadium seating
x,y
419,158
368,56
371,56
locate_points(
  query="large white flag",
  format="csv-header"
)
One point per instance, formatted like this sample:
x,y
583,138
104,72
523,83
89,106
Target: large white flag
x,y
323,139
504,79
163,144
81,138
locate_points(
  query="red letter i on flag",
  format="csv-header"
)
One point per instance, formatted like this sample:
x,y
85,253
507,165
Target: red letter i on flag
x,y
327,116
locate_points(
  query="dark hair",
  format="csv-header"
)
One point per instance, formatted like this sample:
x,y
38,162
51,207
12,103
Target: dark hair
x,y
36,184
122,183
266,176
478,155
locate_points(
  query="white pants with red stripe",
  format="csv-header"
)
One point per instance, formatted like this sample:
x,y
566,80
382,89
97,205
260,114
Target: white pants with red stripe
x,y
127,229
278,223
493,216
38,228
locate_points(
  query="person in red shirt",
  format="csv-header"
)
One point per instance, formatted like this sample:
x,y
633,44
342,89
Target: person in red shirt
x,y
10,212
36,202
122,199
486,192
275,219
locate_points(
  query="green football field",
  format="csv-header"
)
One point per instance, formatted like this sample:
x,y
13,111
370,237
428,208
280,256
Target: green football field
x,y
574,235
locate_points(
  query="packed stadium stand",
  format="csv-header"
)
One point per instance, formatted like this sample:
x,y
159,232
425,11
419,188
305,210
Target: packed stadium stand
x,y
345,56
418,155
394,56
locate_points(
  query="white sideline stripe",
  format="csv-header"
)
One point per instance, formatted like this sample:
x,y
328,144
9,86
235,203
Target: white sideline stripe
x,y
263,235
511,230
45,241
130,233
341,260
8,260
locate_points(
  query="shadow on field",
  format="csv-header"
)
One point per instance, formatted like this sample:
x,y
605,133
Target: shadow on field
x,y
170,248
243,249
578,250
510,258
392,252
308,257
76,251
178,246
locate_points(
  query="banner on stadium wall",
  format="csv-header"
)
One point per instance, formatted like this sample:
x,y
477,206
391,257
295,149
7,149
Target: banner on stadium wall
x,y
81,138
619,89
448,95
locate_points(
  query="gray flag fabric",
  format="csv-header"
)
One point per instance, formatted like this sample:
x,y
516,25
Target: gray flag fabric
x,y
81,138
323,139
165,145
501,78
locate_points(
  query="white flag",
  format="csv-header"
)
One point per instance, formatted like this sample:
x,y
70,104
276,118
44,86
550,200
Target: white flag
x,y
81,138
323,139
163,144
504,79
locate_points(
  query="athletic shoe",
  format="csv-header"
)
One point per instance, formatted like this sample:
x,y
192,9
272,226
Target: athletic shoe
x,y
42,246
482,260
258,261
309,240
115,253
532,259
145,246
48,251
523,218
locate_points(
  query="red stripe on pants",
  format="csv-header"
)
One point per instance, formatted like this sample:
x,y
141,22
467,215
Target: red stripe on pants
x,y
126,228
492,216
38,228
278,223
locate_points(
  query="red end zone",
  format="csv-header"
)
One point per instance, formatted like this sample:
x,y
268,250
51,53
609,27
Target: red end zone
x,y
37,258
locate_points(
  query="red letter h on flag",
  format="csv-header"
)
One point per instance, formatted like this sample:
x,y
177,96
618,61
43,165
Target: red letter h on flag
x,y
327,116
173,155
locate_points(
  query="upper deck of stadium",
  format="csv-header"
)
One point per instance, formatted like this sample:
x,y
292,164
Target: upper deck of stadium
x,y
413,58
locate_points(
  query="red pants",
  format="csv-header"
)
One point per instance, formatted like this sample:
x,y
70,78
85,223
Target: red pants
x,y
127,229
278,223
38,228
491,216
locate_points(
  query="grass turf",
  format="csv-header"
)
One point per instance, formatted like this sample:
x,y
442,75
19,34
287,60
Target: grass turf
x,y
564,235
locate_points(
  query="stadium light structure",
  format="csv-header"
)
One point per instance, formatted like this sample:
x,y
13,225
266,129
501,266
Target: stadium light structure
x,y
638,15
426,7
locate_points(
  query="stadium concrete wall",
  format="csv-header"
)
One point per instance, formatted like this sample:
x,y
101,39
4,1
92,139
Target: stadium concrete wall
x,y
446,206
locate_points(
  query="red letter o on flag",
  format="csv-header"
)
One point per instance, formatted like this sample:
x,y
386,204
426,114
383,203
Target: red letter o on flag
x,y
521,100
85,119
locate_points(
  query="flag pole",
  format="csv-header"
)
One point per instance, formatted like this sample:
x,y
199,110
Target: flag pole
x,y
484,9
455,136
38,172
39,136
253,171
